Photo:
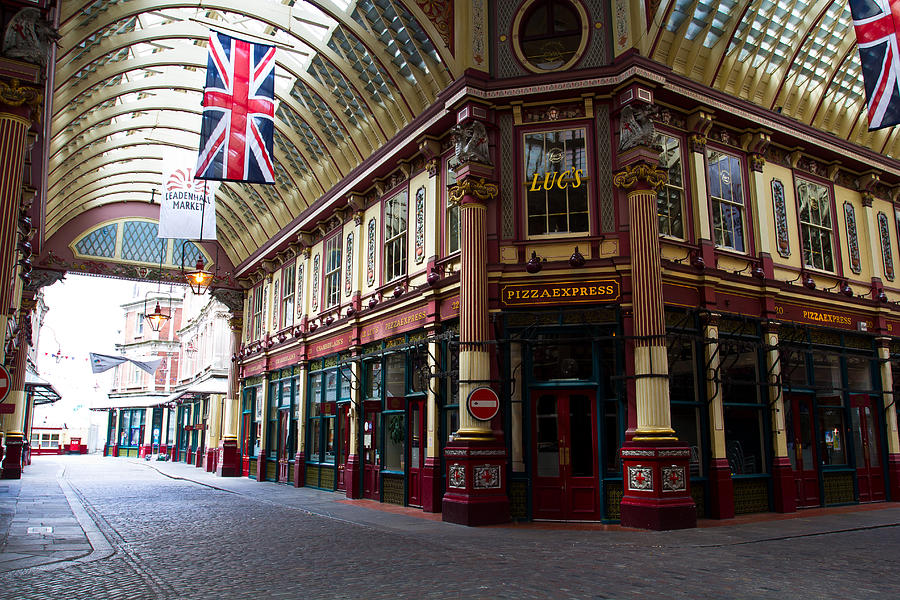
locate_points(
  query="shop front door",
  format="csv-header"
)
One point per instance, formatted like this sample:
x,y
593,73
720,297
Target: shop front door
x,y
245,445
343,450
801,445
417,449
867,444
564,456
371,457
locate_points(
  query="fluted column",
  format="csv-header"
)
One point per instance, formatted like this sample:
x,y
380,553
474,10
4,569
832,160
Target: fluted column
x,y
15,422
351,468
721,487
784,490
474,354
228,461
650,356
655,465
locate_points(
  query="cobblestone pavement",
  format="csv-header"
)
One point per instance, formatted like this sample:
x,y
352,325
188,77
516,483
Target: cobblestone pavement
x,y
155,533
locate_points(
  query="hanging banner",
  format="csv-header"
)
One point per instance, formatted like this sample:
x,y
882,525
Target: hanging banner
x,y
187,210
105,362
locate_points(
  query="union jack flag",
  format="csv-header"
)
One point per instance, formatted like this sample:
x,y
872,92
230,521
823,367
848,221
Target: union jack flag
x,y
876,35
238,110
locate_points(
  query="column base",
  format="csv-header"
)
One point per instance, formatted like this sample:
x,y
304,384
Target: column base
x,y
657,493
260,469
209,460
351,477
173,454
144,450
229,462
299,470
431,485
476,483
11,467
198,457
784,488
721,490
893,477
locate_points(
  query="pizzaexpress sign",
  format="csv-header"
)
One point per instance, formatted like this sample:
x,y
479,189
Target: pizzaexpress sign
x,y
560,292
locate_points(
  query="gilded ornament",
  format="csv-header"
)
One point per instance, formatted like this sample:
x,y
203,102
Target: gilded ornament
x,y
697,142
15,94
757,162
470,187
633,174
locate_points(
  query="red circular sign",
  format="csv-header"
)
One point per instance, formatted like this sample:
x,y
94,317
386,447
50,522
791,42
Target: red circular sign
x,y
4,383
483,403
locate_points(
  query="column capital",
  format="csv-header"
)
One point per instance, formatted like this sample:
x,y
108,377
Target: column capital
x,y
640,175
471,190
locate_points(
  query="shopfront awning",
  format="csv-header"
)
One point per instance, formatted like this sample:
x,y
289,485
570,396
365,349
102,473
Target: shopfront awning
x,y
41,389
205,387
130,402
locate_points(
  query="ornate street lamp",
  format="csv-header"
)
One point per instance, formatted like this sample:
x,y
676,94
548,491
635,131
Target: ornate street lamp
x,y
199,279
157,318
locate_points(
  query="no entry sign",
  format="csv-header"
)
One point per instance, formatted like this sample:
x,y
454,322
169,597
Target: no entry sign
x,y
483,403
4,383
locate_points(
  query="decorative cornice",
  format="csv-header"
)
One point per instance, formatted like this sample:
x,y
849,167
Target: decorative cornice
x,y
470,187
640,172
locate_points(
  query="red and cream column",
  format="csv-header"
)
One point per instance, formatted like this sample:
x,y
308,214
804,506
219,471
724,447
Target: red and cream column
x,y
14,126
784,489
475,460
228,463
888,399
655,464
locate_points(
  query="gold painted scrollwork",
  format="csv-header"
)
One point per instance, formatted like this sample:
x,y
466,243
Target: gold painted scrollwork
x,y
14,94
641,172
470,187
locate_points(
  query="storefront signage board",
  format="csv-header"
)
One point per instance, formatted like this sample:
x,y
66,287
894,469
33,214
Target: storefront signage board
x,y
399,323
816,316
560,292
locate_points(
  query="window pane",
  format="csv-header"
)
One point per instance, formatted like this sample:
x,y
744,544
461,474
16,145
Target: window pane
x,y
744,440
555,178
396,375
394,437
686,423
373,379
832,449
557,361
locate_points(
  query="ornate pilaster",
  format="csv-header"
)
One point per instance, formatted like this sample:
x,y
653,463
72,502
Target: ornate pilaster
x,y
352,467
890,418
14,424
655,465
228,462
784,489
720,486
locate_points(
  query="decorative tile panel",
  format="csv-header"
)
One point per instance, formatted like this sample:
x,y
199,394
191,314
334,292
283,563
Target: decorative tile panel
x,y
348,276
420,225
299,288
275,307
507,189
852,238
884,231
457,476
781,222
604,173
673,479
370,253
315,283
486,477
640,479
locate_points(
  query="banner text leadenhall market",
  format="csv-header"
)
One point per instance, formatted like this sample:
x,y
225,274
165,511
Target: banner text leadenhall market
x,y
187,200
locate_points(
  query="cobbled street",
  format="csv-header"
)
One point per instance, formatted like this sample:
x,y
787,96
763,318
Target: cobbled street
x,y
147,531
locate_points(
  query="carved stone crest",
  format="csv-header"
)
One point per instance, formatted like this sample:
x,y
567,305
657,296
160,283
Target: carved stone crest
x,y
471,141
636,127
28,37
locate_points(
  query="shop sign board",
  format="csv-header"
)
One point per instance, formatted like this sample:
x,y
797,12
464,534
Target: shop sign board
x,y
822,317
399,323
483,403
560,292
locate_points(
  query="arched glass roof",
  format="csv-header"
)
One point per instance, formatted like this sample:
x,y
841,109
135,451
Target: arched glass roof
x,y
129,85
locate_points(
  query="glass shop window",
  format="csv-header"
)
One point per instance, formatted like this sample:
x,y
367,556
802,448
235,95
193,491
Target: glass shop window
x,y
832,445
744,412
452,222
373,379
826,370
418,358
554,360
859,373
395,375
556,182
394,441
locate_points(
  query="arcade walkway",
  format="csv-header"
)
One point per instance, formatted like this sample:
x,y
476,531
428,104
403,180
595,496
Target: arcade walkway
x,y
132,529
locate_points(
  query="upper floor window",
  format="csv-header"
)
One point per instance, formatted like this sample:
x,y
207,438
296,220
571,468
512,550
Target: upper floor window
x,y
453,226
551,35
726,190
816,225
287,295
139,324
333,271
556,182
670,197
395,216
256,321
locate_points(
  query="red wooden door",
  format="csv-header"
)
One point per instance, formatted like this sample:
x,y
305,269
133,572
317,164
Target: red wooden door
x,y
867,444
417,450
799,429
245,458
343,450
564,456
371,458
